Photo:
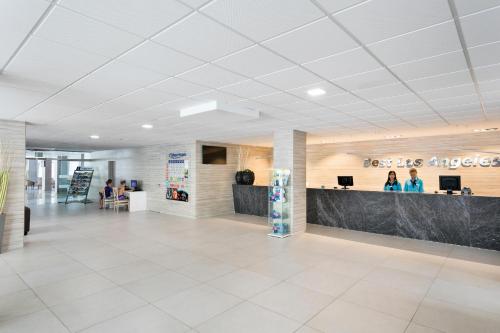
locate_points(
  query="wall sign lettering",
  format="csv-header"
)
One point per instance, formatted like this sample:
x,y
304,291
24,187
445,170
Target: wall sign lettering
x,y
435,161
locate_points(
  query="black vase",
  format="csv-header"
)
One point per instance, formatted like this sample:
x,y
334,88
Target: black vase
x,y
239,177
248,177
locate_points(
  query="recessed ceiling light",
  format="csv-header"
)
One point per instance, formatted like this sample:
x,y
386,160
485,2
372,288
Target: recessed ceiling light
x,y
316,92
486,129
148,126
94,137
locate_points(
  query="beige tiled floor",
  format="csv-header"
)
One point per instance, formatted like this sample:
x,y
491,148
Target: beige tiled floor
x,y
88,270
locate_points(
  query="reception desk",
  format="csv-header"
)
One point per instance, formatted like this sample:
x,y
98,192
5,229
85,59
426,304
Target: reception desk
x,y
463,220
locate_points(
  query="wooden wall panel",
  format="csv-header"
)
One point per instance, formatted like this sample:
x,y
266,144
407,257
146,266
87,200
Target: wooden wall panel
x,y
14,134
327,161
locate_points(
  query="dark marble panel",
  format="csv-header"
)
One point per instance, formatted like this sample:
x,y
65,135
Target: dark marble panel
x,y
468,221
251,200
484,222
437,218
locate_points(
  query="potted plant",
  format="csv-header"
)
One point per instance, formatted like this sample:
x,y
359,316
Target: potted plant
x,y
244,176
5,164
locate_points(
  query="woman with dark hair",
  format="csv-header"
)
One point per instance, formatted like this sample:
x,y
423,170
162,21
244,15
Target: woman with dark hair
x,y
106,193
392,183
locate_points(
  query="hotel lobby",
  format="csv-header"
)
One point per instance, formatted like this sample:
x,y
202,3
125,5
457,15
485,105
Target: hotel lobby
x,y
215,166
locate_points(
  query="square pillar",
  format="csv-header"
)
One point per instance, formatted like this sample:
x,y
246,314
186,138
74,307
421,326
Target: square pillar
x,y
289,152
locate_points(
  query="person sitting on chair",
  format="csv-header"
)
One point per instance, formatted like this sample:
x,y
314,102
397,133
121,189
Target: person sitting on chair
x,y
106,193
122,190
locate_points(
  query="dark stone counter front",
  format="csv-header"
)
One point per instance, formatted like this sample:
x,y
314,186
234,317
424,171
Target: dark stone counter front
x,y
463,220
251,200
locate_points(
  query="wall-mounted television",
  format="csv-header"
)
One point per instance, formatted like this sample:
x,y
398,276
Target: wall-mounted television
x,y
214,155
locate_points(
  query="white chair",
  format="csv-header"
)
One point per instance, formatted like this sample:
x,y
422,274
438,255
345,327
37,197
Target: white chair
x,y
119,203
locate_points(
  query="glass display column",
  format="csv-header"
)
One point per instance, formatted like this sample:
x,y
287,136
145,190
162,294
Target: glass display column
x,y
279,204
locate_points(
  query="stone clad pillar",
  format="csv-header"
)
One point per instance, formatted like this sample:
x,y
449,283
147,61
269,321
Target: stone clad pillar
x,y
289,152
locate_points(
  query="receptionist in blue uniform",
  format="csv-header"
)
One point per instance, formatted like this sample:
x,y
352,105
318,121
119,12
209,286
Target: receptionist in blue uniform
x,y
414,184
392,183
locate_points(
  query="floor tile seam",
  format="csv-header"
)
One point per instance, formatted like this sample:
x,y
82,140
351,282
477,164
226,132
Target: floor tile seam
x,y
44,304
111,318
240,301
339,296
247,298
427,293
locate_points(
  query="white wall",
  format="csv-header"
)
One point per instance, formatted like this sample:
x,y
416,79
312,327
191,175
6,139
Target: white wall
x,y
14,134
210,185
147,164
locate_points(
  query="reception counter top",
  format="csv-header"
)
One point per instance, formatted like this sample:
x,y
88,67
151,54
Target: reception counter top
x,y
463,220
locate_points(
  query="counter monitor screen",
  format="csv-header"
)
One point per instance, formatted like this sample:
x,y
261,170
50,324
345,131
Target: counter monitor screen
x,y
214,155
345,181
133,183
449,184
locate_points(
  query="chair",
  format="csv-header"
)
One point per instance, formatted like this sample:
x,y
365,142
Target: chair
x,y
108,202
119,203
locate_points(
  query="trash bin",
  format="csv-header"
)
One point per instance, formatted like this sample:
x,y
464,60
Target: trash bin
x,y
27,217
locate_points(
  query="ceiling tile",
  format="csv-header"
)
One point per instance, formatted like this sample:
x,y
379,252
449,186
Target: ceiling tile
x,y
485,55
396,100
344,64
145,17
52,63
211,76
435,40
440,81
219,96
289,78
341,99
492,85
465,89
195,3
278,99
15,101
446,63
488,73
389,90
203,38
378,77
78,31
313,41
254,61
179,87
249,89
377,20
17,18
116,79
481,28
262,19
160,59
465,7
332,6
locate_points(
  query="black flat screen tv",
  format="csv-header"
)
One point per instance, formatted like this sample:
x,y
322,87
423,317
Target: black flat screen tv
x,y
214,155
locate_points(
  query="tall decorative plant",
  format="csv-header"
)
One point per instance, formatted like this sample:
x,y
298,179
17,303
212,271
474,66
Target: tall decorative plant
x,y
5,167
244,176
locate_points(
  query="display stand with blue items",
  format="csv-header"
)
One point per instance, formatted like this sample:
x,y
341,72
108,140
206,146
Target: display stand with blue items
x,y
279,204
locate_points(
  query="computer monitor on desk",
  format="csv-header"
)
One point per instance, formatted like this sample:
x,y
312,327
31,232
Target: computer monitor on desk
x,y
345,181
449,184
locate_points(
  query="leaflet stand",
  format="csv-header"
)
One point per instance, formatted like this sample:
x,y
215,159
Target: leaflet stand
x,y
80,185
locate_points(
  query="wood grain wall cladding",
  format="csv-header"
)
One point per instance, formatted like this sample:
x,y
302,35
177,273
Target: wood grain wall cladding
x,y
214,194
14,134
327,161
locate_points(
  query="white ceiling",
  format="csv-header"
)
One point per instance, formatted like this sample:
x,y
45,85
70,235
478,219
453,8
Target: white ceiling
x,y
72,68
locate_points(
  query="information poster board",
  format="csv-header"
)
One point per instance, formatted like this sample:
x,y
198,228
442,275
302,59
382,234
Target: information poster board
x,y
177,177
